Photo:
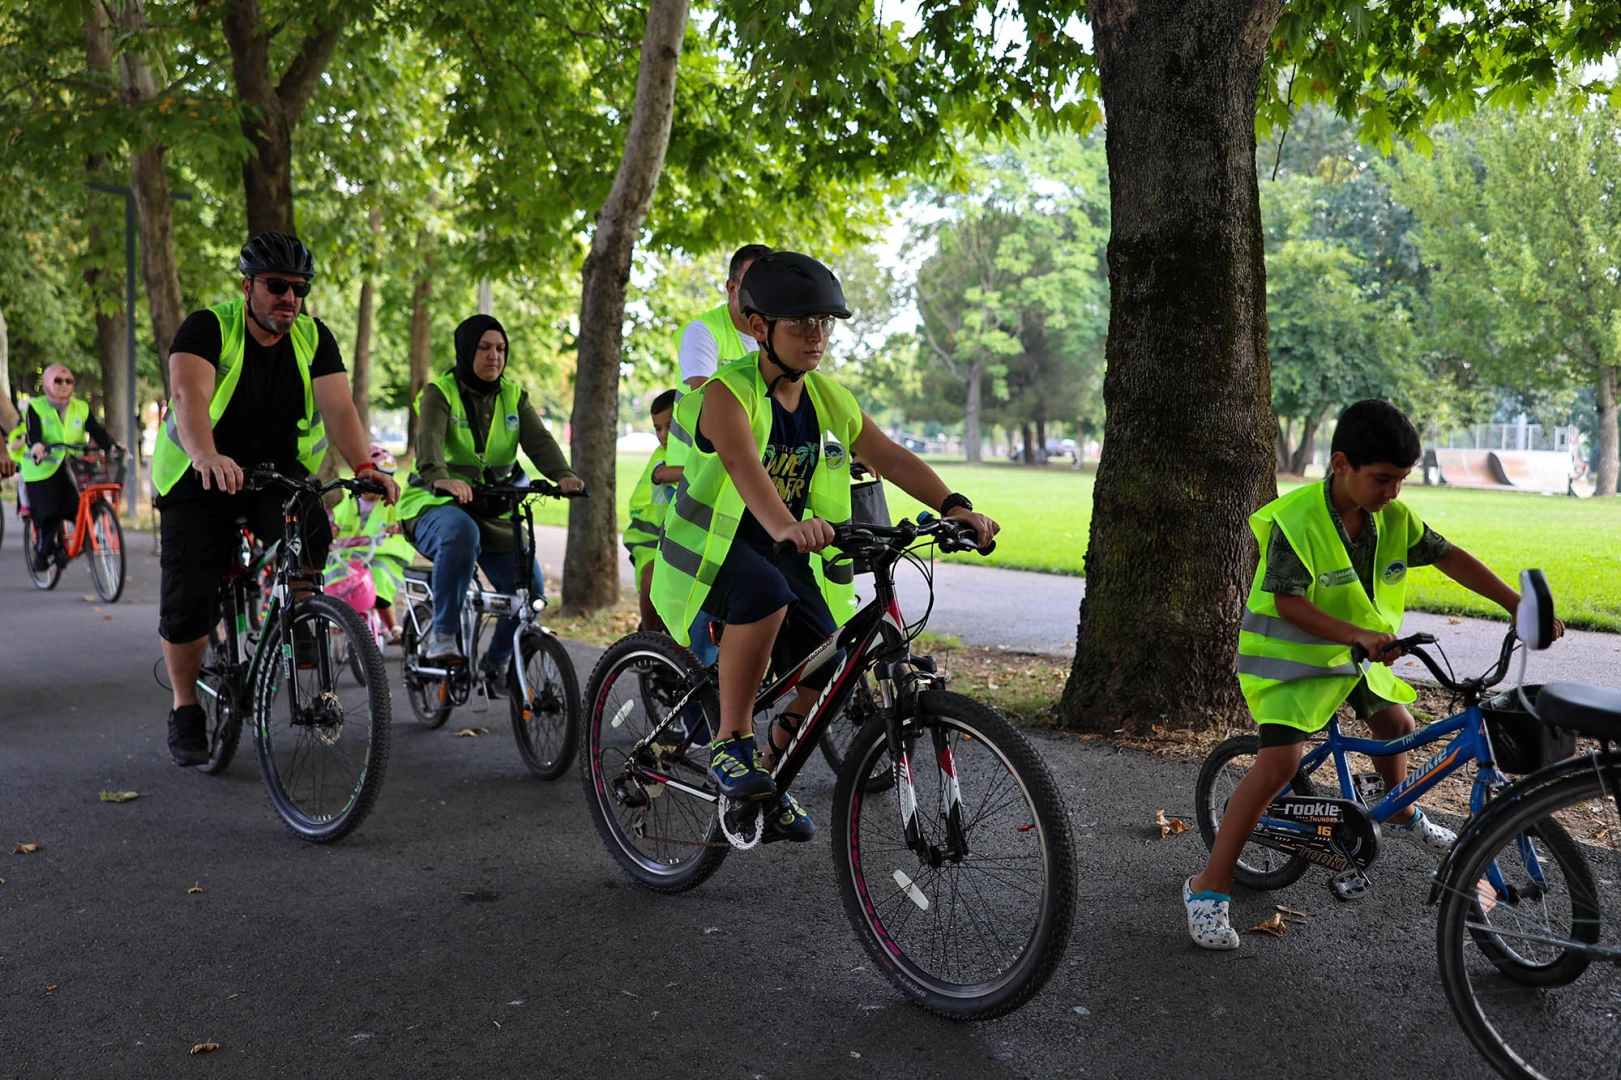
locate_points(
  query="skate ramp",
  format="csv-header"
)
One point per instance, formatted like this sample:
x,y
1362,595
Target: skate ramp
x,y
1506,470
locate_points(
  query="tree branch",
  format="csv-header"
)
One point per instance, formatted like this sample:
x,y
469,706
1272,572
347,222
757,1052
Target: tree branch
x,y
304,73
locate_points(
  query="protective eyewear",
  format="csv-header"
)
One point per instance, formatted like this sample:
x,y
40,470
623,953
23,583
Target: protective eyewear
x,y
809,325
279,286
63,379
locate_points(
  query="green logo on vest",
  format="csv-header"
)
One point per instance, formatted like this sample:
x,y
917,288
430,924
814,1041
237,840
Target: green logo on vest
x,y
1394,572
1330,579
833,455
512,421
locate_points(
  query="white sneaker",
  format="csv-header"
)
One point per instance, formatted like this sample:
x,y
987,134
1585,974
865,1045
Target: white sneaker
x,y
1424,834
1207,918
441,646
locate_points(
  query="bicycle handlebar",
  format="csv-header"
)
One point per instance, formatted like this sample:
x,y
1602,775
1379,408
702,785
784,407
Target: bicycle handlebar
x,y
862,541
264,476
535,486
1410,645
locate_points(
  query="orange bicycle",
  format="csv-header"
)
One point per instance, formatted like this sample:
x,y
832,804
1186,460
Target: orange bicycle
x,y
100,479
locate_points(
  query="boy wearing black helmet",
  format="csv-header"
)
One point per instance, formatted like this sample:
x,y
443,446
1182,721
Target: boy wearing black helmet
x,y
770,439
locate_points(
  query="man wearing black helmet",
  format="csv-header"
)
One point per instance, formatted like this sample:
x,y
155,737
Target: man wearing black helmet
x,y
253,382
768,461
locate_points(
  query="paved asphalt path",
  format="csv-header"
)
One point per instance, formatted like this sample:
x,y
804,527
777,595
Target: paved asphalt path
x,y
1025,612
475,927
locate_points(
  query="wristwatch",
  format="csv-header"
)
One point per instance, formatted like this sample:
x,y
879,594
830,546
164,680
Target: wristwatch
x,y
954,500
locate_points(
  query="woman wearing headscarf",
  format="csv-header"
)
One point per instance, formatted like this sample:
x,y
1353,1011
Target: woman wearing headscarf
x,y
471,422
56,416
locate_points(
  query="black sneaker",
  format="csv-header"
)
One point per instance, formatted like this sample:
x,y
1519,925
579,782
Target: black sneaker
x,y
495,676
38,561
188,735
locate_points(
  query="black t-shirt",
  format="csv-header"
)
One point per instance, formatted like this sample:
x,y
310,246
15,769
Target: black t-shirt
x,y
789,456
260,425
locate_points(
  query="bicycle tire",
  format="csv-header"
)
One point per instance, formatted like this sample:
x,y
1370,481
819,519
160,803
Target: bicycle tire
x,y
886,886
1260,868
614,718
1522,963
325,721
547,727
428,697
44,580
1562,1030
865,706
223,708
106,551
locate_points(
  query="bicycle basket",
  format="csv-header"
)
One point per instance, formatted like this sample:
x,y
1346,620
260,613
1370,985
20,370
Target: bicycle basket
x,y
1522,743
100,467
868,507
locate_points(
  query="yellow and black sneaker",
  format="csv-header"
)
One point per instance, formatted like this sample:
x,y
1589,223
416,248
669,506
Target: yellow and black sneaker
x,y
788,821
734,766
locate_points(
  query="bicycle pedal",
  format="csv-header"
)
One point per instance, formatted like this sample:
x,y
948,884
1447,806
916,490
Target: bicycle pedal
x,y
1350,885
1370,786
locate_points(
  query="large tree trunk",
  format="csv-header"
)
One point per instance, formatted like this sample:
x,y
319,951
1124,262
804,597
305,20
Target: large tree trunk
x,y
275,108
150,182
360,362
1189,444
1308,443
591,562
972,405
1609,444
9,417
103,283
421,338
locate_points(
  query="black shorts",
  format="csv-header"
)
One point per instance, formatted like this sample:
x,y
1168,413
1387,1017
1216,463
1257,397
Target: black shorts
x,y
753,582
201,538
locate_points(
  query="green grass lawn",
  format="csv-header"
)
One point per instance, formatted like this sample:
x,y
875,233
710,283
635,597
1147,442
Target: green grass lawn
x,y
1046,513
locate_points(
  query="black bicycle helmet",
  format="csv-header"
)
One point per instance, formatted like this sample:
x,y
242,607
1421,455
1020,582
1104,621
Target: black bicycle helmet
x,y
276,253
787,285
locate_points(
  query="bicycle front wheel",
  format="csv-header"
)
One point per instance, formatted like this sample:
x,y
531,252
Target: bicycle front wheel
x,y
649,803
106,551
1530,964
547,725
972,925
322,746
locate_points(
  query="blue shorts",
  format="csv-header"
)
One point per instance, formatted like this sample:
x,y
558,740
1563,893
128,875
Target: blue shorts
x,y
753,583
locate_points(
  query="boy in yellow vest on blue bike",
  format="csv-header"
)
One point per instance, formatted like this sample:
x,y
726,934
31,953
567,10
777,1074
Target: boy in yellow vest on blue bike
x,y
768,442
1332,574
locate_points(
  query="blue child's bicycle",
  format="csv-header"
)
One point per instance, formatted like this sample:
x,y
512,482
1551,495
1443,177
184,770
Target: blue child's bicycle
x,y
1332,819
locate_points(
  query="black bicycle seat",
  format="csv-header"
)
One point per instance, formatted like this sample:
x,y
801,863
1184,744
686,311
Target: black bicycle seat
x,y
1591,710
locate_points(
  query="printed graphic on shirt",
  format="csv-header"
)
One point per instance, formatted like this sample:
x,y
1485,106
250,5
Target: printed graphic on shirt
x,y
790,470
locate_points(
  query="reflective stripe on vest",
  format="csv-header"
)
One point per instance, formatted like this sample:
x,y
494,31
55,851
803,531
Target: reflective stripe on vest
x,y
1295,678
169,458
648,504
54,428
461,457
703,519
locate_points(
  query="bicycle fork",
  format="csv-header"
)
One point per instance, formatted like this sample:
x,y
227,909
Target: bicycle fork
x,y
903,700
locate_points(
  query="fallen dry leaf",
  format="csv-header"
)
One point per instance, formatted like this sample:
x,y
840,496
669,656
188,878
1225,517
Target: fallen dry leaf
x,y
25,849
205,1048
238,994
109,618
1273,925
51,989
1293,912
471,732
1169,826
1453,622
119,796
194,889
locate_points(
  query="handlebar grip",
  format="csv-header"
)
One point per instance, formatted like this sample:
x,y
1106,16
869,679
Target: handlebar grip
x,y
1358,653
370,487
988,548
785,547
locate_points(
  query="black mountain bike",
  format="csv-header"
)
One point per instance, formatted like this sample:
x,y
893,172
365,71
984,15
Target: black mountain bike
x,y
542,689
322,747
958,878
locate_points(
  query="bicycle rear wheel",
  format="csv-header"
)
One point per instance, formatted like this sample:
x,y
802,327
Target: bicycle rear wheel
x,y
547,726
429,695
106,551
968,936
645,803
47,578
1258,867
322,746
1533,972
217,695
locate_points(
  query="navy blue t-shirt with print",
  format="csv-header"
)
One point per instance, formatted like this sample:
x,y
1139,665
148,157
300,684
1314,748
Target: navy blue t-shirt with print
x,y
789,456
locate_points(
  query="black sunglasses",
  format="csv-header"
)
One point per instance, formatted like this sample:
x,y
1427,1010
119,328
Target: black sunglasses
x,y
279,286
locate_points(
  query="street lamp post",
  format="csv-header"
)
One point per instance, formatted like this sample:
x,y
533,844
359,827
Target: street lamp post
x,y
127,406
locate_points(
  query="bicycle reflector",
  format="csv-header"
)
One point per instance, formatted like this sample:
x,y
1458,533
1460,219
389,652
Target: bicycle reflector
x,y
1533,622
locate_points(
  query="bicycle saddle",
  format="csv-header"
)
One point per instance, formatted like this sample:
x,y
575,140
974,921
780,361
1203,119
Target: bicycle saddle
x,y
1591,710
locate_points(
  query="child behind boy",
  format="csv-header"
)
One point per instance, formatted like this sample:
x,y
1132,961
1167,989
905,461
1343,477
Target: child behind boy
x,y
1333,573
